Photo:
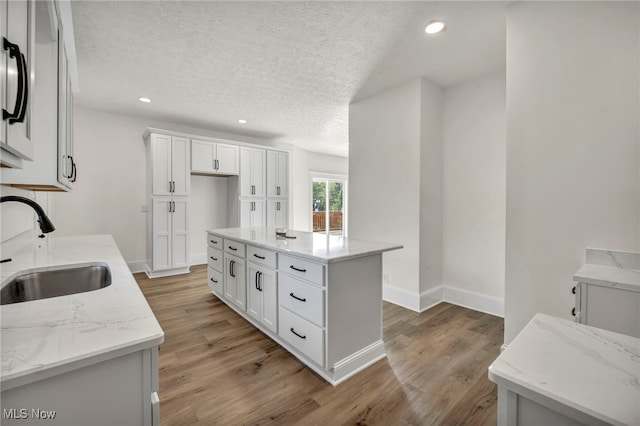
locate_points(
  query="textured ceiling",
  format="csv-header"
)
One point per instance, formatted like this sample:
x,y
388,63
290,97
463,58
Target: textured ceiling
x,y
289,68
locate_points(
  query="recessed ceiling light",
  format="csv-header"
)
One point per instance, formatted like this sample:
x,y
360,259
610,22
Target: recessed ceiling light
x,y
242,121
435,27
145,100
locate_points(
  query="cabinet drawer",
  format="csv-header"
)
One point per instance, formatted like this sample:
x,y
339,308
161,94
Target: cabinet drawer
x,y
214,241
214,258
262,256
235,248
214,280
302,335
302,268
302,299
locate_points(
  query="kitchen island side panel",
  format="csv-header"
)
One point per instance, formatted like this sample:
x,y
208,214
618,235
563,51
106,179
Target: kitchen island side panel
x,y
354,306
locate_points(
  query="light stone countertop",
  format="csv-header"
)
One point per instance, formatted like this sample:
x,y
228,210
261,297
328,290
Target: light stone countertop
x,y
43,338
314,246
611,268
591,370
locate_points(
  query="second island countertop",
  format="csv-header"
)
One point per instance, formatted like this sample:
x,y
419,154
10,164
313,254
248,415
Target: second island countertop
x,y
323,248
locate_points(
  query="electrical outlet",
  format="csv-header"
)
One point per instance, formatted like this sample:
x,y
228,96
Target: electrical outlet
x,y
144,208
385,279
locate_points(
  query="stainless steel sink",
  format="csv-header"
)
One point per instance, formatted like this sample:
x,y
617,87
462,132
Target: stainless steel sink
x,y
44,283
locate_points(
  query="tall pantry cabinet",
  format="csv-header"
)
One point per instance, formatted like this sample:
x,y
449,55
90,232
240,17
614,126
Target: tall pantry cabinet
x,y
168,188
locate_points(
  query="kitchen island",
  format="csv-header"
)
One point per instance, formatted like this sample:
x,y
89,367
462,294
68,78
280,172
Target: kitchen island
x,y
88,358
317,295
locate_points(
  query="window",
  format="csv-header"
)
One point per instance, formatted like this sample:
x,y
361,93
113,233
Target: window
x,y
329,199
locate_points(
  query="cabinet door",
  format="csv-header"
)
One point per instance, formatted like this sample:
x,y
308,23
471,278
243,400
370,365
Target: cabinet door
x,y
277,214
282,187
234,281
180,233
202,156
180,165
161,224
269,293
254,295
65,165
228,159
20,31
246,185
252,213
161,164
258,172
272,173
259,214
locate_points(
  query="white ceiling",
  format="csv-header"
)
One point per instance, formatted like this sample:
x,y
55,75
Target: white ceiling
x,y
289,68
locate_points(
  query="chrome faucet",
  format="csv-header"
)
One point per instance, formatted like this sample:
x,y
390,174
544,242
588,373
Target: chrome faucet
x,y
45,223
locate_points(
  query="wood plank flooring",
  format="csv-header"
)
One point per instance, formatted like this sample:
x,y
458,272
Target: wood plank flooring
x,y
216,368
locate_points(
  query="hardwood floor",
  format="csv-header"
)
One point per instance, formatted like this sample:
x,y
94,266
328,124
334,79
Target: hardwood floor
x,y
216,368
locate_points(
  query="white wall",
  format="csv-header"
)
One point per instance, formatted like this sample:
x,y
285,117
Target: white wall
x,y
303,163
572,147
15,218
384,178
474,185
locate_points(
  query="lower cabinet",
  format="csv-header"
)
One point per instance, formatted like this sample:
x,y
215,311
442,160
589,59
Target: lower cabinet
x,y
235,284
262,295
252,213
118,391
169,246
277,214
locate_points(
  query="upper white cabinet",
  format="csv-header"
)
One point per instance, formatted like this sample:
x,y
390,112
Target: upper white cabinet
x,y
214,158
169,164
17,31
277,174
54,167
252,172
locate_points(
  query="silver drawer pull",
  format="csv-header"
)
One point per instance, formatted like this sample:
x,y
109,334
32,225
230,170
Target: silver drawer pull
x,y
299,335
296,269
297,298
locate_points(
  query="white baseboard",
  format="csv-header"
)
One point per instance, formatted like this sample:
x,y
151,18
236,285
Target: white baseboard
x,y
401,297
476,301
137,266
431,297
442,293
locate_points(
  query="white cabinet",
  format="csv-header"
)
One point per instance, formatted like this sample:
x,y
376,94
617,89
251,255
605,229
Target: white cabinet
x,y
54,166
277,214
170,233
611,307
252,213
235,284
116,391
277,174
214,158
17,28
170,164
262,295
252,172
